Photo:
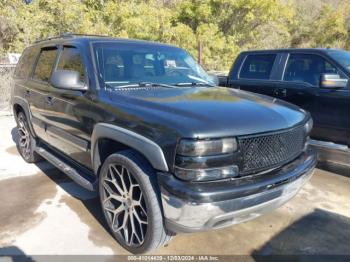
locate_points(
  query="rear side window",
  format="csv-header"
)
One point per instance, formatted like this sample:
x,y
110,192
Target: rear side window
x,y
45,64
70,59
257,66
307,68
25,64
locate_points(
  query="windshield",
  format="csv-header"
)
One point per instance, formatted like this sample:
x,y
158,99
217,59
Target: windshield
x,y
342,57
126,64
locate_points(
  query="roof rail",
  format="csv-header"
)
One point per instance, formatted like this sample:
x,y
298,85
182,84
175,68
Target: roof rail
x,y
47,39
68,35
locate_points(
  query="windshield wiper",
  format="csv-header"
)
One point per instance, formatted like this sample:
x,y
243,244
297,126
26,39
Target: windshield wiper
x,y
193,84
145,84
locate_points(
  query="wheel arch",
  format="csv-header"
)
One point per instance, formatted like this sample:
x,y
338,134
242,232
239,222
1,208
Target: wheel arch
x,y
123,139
20,104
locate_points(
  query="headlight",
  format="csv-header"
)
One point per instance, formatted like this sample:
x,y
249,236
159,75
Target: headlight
x,y
206,147
203,160
308,126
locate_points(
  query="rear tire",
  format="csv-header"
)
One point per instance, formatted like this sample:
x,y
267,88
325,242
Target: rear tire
x,y
26,143
130,201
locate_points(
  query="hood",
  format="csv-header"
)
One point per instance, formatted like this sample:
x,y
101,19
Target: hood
x,y
210,112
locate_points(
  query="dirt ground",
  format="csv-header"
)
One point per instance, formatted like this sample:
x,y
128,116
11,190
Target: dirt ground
x,y
42,212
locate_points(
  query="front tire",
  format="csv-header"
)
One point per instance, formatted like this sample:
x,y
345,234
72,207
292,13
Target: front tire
x,y
129,198
26,143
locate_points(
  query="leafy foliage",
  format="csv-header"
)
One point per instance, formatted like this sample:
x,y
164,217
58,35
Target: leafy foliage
x,y
223,27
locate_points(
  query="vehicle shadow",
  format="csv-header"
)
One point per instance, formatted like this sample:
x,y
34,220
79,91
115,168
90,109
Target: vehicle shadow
x,y
89,199
339,169
318,233
15,254
14,135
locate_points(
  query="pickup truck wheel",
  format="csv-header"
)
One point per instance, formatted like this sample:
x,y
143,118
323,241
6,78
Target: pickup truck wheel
x,y
130,203
26,143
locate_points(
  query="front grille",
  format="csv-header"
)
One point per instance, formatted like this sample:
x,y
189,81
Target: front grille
x,y
271,150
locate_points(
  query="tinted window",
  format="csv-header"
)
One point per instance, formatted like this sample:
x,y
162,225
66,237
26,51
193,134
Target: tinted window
x,y
125,64
70,59
25,64
257,66
307,68
45,63
342,57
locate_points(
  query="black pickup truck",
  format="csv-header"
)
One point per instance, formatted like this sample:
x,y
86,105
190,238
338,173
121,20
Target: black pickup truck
x,y
168,152
317,80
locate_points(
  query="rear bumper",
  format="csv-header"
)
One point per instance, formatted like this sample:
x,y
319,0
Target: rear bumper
x,y
191,207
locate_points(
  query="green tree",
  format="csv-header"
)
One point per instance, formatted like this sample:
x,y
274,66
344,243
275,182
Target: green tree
x,y
224,27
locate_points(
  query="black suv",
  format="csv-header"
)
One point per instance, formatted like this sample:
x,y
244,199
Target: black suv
x,y
142,123
317,80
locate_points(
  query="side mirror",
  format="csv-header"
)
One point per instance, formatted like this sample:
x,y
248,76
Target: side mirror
x,y
220,77
214,79
66,79
332,81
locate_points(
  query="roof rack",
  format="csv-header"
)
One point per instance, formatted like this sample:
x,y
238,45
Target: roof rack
x,y
68,35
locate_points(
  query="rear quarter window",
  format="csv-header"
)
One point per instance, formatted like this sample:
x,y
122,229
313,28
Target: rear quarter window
x,y
25,64
257,66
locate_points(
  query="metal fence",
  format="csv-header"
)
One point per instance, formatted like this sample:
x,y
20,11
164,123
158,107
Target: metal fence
x,y
7,68
4,59
6,73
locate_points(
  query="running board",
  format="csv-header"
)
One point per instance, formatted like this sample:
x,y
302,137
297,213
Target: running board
x,y
331,152
65,168
329,145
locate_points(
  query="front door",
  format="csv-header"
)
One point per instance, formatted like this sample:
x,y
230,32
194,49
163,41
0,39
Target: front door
x,y
68,112
328,108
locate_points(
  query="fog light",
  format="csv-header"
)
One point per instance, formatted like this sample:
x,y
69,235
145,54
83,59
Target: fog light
x,y
207,174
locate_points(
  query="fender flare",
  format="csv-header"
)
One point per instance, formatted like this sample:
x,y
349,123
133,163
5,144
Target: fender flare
x,y
16,100
149,149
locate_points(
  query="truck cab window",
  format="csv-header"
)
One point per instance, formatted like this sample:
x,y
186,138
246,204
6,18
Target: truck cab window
x,y
307,68
257,66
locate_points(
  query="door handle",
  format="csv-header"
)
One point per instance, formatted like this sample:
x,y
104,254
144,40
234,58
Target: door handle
x,y
49,100
284,92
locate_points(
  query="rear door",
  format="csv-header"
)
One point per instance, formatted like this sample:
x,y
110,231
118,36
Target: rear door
x,y
256,73
301,80
38,89
22,73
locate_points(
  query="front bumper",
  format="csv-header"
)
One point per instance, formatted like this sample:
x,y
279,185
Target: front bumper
x,y
191,207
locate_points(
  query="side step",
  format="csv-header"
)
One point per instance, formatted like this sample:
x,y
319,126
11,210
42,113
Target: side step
x,y
67,169
331,152
329,145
